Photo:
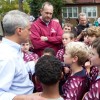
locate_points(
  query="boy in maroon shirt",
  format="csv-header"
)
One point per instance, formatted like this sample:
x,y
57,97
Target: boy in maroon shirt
x,y
66,38
27,55
76,54
94,91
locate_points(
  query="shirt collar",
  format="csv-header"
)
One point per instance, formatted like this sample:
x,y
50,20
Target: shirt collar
x,y
44,21
11,43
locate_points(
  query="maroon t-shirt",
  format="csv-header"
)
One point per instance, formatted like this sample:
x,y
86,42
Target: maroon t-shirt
x,y
30,56
60,54
94,92
76,86
93,73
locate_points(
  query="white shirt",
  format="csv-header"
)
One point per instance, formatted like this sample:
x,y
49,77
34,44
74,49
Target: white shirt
x,y
98,20
14,78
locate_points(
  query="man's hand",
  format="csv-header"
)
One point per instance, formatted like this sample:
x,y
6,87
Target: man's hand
x,y
44,38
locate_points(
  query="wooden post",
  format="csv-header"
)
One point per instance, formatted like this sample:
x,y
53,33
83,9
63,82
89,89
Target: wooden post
x,y
21,5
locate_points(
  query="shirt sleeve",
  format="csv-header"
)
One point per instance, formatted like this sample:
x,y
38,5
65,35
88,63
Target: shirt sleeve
x,y
30,66
7,71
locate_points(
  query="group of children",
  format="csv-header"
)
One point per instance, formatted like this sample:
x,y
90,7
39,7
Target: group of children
x,y
77,63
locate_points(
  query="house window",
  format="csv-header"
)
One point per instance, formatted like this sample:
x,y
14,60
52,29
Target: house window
x,y
70,12
91,12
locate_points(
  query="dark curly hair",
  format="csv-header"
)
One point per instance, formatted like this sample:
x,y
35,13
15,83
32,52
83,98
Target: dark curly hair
x,y
48,70
50,51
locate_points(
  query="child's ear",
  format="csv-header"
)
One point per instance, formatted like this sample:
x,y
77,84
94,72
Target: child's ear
x,y
75,59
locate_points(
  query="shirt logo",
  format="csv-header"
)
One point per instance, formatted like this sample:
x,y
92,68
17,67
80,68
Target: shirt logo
x,y
53,30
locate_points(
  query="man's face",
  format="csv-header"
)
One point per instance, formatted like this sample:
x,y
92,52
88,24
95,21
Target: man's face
x,y
83,20
47,13
25,34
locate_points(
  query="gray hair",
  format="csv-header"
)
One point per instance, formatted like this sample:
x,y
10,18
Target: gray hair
x,y
82,14
14,19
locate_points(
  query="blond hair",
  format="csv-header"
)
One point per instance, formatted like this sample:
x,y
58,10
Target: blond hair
x,y
71,35
78,49
93,31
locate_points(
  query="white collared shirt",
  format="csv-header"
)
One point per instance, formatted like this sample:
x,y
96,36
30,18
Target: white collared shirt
x,y
14,78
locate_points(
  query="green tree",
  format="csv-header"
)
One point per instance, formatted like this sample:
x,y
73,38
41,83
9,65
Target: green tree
x,y
6,5
36,5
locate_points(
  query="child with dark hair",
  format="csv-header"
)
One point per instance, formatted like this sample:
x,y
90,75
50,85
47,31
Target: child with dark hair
x,y
67,27
48,51
48,70
94,91
76,85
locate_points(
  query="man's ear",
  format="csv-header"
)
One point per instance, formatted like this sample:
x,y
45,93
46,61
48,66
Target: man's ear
x,y
18,30
41,10
75,59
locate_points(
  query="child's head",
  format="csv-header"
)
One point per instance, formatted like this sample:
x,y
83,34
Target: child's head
x,y
67,37
93,33
49,51
76,52
67,27
48,70
95,55
25,46
86,40
85,36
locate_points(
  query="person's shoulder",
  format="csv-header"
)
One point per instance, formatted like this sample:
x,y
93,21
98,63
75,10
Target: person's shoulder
x,y
38,20
38,93
54,22
6,52
79,25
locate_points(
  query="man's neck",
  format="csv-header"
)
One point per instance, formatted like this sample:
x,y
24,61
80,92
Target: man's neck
x,y
44,21
51,91
12,38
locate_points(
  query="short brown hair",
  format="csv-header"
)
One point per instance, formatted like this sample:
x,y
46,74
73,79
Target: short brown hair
x,y
93,31
68,24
